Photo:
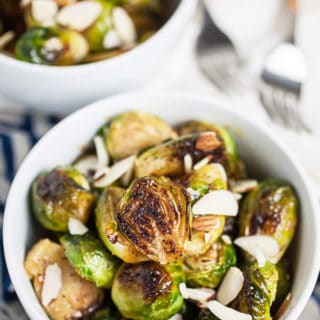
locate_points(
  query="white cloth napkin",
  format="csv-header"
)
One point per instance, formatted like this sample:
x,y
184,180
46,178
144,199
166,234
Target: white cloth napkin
x,y
184,74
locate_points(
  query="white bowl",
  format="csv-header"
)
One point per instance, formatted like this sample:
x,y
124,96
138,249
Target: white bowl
x,y
265,154
63,89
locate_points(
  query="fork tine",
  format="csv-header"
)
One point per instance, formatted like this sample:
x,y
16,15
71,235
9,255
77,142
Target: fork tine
x,y
280,105
264,96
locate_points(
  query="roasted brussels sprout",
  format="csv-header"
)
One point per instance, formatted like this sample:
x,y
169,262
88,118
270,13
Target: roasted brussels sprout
x,y
209,269
76,296
258,292
107,226
60,194
51,46
270,209
284,283
140,128
148,291
167,159
154,215
205,229
230,152
90,259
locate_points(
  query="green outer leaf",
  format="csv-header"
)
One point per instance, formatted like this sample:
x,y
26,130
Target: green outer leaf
x,y
90,259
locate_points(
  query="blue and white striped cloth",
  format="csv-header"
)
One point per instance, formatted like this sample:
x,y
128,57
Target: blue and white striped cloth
x,y
18,133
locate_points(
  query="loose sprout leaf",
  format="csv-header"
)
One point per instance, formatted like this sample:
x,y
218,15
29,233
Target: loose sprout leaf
x,y
226,313
231,285
218,202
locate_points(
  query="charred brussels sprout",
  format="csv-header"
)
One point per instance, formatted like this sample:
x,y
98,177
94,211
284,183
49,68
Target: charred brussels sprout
x,y
230,150
205,229
51,46
107,314
284,283
258,292
167,159
148,291
107,226
209,269
270,209
141,129
90,259
206,314
76,295
60,194
154,215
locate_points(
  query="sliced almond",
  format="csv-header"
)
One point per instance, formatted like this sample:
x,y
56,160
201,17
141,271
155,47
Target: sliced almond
x,y
187,160
52,284
201,295
116,172
207,237
259,245
102,154
243,186
218,202
6,38
226,239
202,163
222,171
194,194
124,26
80,15
87,164
111,40
127,177
226,313
24,3
101,173
76,227
231,285
237,196
177,316
44,10
261,259
204,223
79,47
54,44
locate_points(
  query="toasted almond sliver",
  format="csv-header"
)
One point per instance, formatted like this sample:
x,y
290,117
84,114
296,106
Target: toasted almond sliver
x,y
177,316
87,164
187,160
111,40
124,26
116,172
80,15
194,194
202,163
6,38
52,284
76,227
201,295
218,202
226,239
243,186
204,223
43,10
258,246
207,237
231,285
226,313
54,44
102,154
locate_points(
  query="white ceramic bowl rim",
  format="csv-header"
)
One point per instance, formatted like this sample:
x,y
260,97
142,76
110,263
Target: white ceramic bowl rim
x,y
313,275
180,13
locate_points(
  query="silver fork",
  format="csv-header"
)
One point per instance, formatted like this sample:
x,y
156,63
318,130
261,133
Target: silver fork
x,y
279,92
217,57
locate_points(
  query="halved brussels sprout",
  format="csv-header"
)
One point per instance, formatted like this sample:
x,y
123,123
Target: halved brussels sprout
x,y
51,46
270,209
90,259
60,194
76,294
258,291
148,291
140,128
202,181
167,159
154,215
107,226
284,283
209,269
230,150
206,314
